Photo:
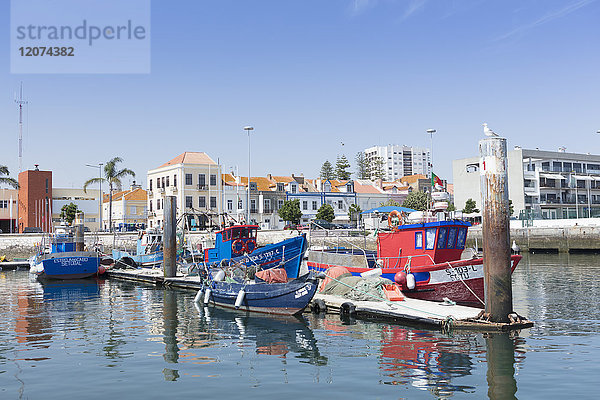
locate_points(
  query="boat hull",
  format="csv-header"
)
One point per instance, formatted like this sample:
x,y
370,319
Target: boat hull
x,y
268,298
143,260
66,265
286,254
460,281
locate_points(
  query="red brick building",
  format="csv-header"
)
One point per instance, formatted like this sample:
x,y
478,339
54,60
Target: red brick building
x,y
35,200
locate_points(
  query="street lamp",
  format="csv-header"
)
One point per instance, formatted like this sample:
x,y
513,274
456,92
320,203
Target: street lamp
x,y
248,129
431,132
99,166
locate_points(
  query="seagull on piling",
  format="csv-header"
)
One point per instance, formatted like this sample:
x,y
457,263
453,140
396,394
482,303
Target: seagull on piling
x,y
488,132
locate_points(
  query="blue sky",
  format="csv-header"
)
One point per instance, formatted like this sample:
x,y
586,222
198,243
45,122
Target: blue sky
x,y
309,75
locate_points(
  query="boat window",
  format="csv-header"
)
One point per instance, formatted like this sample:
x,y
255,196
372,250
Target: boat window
x,y
462,236
430,238
253,233
418,240
244,232
451,237
226,235
235,233
441,242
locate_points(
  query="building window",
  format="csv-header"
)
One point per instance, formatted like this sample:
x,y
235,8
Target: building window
x,y
150,184
188,202
305,205
280,187
340,205
175,180
253,186
201,201
201,180
240,204
294,188
158,204
46,185
213,180
267,205
314,205
167,181
188,179
253,205
150,205
163,182
280,203
472,168
158,183
230,205
213,202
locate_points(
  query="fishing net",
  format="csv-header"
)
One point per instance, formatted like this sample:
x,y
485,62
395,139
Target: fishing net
x,y
357,288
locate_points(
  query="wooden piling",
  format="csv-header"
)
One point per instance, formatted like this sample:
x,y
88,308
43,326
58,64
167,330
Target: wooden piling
x,y
495,228
169,240
79,239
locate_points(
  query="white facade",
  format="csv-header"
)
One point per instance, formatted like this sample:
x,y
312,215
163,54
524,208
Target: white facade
x,y
87,201
194,179
400,160
545,184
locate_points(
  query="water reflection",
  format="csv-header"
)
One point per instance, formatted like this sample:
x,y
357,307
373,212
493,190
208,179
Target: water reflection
x,y
500,356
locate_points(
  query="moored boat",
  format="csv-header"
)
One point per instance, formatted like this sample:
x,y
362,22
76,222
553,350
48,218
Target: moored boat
x,y
148,254
424,258
278,298
62,260
237,245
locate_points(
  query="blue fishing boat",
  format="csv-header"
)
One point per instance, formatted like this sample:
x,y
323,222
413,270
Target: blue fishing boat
x,y
237,245
61,259
287,298
148,253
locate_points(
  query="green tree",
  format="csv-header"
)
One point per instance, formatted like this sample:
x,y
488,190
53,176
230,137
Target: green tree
x,y
451,207
376,168
68,212
290,211
390,202
511,208
470,207
6,180
341,167
325,212
416,200
354,213
362,166
113,176
326,171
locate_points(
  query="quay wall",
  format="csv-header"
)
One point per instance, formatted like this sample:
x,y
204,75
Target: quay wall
x,y
559,239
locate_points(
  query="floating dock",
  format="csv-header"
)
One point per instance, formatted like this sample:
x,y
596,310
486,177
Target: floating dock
x,y
408,311
13,265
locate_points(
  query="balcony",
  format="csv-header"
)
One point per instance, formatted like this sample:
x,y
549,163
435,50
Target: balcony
x,y
267,210
253,210
202,187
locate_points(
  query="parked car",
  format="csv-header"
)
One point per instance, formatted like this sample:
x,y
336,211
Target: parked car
x,y
323,224
32,229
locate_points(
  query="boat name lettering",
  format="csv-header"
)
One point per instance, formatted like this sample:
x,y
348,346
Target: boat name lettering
x,y
303,291
268,254
460,273
65,262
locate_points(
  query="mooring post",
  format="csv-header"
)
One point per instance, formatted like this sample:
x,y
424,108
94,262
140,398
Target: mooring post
x,y
495,228
169,240
78,223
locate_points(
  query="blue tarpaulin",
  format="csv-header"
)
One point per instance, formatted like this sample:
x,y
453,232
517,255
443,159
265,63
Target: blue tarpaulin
x,y
388,209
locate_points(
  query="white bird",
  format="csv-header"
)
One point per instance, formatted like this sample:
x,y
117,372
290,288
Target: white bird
x,y
488,132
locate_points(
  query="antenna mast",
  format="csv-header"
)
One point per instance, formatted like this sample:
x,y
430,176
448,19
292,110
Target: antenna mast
x,y
20,102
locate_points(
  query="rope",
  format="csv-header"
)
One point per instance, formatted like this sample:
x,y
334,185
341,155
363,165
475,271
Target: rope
x,y
388,302
448,324
467,286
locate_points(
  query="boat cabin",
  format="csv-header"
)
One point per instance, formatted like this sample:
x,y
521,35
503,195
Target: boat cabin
x,y
149,242
232,242
425,243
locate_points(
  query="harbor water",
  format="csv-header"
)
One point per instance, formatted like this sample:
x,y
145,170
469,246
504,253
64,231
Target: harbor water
x,y
112,339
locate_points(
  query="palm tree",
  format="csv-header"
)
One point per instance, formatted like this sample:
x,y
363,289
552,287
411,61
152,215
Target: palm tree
x,y
113,176
7,180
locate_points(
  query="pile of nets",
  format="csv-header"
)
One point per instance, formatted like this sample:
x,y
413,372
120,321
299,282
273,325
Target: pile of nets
x,y
340,282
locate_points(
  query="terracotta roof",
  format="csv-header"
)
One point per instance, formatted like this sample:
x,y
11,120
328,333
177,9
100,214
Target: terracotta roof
x,y
262,183
137,194
282,179
190,157
412,178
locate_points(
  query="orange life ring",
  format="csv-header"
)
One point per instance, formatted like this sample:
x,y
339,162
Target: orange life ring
x,y
238,246
250,246
395,219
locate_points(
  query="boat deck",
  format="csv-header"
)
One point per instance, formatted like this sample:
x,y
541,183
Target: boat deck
x,y
408,311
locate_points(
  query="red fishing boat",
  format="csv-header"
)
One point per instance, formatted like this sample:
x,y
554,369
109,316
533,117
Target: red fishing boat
x,y
423,258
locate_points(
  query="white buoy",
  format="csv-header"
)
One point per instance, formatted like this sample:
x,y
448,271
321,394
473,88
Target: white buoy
x,y
219,276
198,296
410,281
372,273
240,298
207,296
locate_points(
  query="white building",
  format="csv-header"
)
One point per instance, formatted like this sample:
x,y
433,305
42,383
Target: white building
x,y
399,161
129,209
195,179
542,184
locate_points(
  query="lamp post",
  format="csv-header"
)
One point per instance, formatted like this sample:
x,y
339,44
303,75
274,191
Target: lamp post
x,y
248,129
99,166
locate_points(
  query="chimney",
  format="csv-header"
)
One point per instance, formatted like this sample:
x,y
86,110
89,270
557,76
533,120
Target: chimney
x,y
270,177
